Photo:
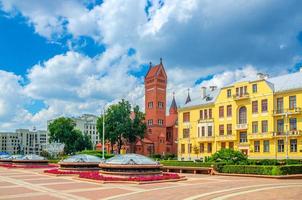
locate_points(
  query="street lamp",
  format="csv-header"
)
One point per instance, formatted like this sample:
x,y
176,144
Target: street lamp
x,y
286,135
103,139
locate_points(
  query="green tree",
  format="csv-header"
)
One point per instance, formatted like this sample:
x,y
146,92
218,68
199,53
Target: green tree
x,y
229,156
119,127
63,130
138,127
83,142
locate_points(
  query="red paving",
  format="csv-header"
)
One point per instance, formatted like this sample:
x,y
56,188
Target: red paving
x,y
34,185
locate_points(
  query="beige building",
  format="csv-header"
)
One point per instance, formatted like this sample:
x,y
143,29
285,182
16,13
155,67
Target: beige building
x,y
23,141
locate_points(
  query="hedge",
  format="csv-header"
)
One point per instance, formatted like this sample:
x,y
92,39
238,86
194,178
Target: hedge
x,y
262,169
273,162
165,157
184,163
95,153
290,169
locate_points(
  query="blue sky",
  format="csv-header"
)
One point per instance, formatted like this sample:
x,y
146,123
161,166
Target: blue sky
x,y
66,58
20,47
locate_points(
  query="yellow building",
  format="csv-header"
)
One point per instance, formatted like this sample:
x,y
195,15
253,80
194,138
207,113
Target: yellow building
x,y
260,116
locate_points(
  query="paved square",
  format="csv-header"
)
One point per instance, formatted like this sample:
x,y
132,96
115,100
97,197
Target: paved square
x,y
33,184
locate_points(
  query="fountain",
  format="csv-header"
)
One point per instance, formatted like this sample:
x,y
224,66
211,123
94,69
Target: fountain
x,y
30,159
80,162
7,159
54,149
130,165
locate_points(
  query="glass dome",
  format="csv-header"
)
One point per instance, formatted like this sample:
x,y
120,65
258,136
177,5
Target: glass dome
x,y
31,157
15,157
4,157
84,158
130,159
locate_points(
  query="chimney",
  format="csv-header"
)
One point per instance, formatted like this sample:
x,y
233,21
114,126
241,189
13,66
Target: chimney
x,y
213,87
262,76
203,92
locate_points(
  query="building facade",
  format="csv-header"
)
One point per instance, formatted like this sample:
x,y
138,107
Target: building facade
x,y
161,134
87,125
23,141
260,116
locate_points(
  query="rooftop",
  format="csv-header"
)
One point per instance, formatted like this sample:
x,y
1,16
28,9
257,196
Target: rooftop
x,y
278,83
209,98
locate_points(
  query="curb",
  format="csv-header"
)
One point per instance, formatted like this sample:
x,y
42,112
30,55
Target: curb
x,y
129,182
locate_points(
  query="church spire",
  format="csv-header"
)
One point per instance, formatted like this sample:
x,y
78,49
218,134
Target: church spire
x,y
173,107
188,97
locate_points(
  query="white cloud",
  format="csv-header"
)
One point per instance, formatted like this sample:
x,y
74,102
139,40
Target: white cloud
x,y
73,84
50,18
12,101
195,38
187,33
220,79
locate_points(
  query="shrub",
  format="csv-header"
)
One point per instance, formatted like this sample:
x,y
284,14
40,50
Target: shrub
x,y
273,162
248,169
229,156
262,169
290,169
263,162
184,163
293,162
156,156
169,157
95,153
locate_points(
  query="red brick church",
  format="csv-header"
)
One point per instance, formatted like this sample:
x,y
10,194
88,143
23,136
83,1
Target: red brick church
x,y
161,132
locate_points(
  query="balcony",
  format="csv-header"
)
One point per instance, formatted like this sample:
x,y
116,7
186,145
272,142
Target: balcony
x,y
205,138
243,145
293,111
241,96
241,126
254,136
206,120
226,138
290,133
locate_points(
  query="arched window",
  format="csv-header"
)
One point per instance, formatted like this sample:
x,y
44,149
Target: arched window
x,y
242,115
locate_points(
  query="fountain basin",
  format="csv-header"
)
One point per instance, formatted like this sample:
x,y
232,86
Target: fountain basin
x,y
130,165
30,159
81,162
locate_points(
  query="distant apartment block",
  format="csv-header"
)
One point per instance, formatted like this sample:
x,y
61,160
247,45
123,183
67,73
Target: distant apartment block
x,y
87,125
23,141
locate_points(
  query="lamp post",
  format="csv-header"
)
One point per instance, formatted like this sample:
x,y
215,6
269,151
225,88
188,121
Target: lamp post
x,y
103,139
286,135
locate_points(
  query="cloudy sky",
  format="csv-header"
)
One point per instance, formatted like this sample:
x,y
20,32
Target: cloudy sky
x,y
66,58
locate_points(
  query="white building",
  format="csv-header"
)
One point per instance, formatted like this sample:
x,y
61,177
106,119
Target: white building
x,y
87,125
23,141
